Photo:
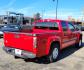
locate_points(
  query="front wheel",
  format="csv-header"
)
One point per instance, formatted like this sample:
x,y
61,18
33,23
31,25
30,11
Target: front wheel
x,y
54,53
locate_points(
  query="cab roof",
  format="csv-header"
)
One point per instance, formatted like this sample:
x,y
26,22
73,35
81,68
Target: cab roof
x,y
50,20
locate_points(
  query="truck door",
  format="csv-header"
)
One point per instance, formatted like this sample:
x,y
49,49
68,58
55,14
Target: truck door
x,y
65,34
72,32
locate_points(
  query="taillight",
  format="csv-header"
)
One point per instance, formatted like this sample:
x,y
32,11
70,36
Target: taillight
x,y
35,42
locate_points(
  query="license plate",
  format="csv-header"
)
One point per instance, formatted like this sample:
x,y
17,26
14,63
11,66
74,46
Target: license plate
x,y
18,51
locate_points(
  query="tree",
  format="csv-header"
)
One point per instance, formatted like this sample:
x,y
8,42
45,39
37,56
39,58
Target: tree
x,y
37,16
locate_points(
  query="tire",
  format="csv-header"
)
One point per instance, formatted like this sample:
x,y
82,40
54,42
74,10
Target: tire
x,y
79,44
53,54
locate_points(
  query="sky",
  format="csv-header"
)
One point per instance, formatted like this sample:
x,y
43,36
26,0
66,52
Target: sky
x,y
47,8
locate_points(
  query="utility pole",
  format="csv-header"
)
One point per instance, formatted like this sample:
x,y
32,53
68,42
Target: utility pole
x,y
56,7
83,17
43,12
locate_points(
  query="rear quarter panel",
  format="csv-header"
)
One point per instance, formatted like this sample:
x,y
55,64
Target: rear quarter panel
x,y
44,42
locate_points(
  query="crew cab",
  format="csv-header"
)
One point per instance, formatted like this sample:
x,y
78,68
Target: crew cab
x,y
47,38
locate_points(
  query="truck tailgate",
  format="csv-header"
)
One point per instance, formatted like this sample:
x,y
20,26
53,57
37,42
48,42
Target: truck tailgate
x,y
21,41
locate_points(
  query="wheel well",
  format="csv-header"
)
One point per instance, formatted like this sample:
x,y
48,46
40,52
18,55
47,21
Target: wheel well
x,y
55,42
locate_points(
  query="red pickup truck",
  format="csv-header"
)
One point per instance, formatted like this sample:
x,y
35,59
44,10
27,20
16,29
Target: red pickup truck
x,y
47,38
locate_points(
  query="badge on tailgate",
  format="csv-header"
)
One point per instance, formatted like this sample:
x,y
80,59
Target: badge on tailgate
x,y
17,36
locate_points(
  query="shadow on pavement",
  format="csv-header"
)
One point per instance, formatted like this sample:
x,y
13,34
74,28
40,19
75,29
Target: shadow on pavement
x,y
83,44
67,52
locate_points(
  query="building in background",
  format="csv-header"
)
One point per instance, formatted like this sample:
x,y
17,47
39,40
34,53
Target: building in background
x,y
19,18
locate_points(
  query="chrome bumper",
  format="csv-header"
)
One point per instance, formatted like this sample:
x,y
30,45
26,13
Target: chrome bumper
x,y
24,54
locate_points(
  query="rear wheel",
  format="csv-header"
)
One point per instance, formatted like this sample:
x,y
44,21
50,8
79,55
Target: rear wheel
x,y
54,52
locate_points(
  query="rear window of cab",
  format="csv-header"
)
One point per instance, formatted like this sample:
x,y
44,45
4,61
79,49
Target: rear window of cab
x,y
46,25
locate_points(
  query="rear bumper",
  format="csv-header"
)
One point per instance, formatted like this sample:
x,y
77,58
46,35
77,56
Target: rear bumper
x,y
24,54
